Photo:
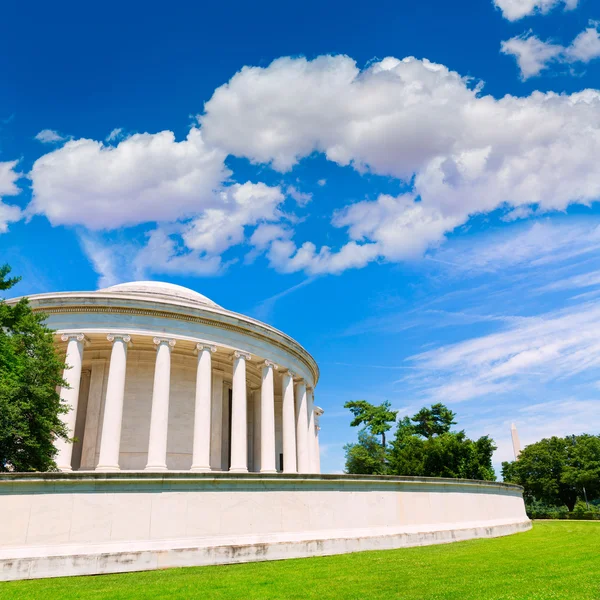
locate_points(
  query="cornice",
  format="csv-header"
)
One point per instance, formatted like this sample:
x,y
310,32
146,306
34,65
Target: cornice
x,y
270,333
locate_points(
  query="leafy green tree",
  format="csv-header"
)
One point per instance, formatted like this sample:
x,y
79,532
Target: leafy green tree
x,y
366,457
377,419
435,420
556,470
30,372
424,446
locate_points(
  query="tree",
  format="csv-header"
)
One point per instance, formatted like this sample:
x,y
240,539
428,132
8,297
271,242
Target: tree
x,y
367,457
30,373
556,470
377,419
424,446
433,421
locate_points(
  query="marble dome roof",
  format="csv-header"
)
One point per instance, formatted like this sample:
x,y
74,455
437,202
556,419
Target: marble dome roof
x,y
160,290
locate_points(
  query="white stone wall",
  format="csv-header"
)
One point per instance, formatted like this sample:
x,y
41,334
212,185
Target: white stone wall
x,y
139,514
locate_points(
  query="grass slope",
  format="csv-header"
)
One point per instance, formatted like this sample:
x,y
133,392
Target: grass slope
x,y
554,560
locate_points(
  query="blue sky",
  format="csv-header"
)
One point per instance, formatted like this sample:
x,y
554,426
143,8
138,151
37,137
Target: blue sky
x,y
409,189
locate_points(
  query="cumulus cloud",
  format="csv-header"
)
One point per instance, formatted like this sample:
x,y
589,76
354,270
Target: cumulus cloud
x,y
163,253
9,213
194,247
240,206
463,152
586,46
513,10
534,55
145,178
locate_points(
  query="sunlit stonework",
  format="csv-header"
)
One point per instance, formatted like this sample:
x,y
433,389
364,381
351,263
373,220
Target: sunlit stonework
x,y
162,378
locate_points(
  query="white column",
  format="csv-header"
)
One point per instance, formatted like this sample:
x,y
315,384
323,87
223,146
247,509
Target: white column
x,y
159,418
312,451
110,442
216,427
288,418
302,428
202,413
92,418
267,420
70,395
239,433
256,400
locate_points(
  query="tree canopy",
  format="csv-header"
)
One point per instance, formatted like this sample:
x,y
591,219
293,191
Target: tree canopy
x,y
556,470
377,419
423,445
30,373
436,420
367,457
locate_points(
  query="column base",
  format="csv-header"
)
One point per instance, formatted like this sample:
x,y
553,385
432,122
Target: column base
x,y
238,470
156,468
65,469
268,471
107,468
200,469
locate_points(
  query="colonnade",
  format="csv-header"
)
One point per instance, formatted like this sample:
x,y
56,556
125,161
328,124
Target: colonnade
x,y
299,432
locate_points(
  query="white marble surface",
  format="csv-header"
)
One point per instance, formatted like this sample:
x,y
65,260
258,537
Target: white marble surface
x,y
88,515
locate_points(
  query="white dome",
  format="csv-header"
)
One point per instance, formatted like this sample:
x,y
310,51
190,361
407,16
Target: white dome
x,y
160,289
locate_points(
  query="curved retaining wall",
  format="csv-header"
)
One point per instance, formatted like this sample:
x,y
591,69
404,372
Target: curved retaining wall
x,y
58,524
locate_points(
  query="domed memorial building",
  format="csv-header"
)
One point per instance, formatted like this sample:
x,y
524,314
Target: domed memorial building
x,y
163,379
196,442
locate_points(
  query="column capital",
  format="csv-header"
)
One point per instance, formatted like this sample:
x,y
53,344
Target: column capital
x,y
241,354
80,337
290,373
157,341
200,346
271,364
111,337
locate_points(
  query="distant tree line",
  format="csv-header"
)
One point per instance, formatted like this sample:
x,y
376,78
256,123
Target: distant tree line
x,y
423,445
558,472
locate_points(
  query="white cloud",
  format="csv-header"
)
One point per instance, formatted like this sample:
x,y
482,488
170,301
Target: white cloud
x,y
584,280
549,347
163,253
586,46
240,206
414,120
540,244
513,10
534,55
322,182
49,136
145,178
194,247
302,198
115,134
9,213
287,258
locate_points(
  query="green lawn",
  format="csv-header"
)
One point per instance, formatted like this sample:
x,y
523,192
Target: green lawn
x,y
556,559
